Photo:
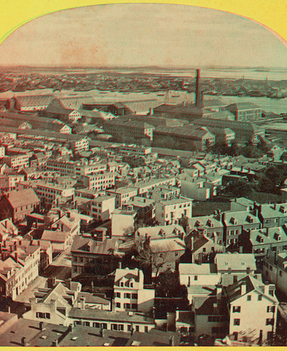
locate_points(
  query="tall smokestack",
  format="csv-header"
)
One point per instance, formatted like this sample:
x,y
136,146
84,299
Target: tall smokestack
x,y
198,97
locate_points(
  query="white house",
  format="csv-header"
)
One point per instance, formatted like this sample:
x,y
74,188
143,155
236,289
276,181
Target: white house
x,y
129,291
252,308
171,211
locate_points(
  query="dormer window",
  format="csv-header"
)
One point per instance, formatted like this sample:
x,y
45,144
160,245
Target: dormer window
x,y
233,221
277,237
210,223
197,223
131,284
249,219
259,239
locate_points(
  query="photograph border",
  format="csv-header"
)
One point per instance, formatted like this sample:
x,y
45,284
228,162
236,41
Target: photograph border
x,y
270,13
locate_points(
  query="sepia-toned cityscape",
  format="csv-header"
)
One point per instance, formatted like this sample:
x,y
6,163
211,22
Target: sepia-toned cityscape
x,y
143,180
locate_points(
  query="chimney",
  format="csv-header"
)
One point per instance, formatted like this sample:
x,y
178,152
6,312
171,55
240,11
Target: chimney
x,y
51,283
218,292
55,343
41,326
68,283
191,243
198,97
82,302
71,328
23,341
16,257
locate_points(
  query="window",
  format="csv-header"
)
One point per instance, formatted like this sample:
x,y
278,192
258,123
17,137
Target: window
x,y
137,328
127,296
134,306
87,324
248,297
259,297
120,327
195,277
270,308
96,325
236,309
236,321
122,284
132,285
134,296
43,315
114,327
118,305
270,321
118,294
146,329
215,330
213,319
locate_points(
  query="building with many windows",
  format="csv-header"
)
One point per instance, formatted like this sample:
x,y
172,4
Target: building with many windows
x,y
134,129
252,308
129,291
171,211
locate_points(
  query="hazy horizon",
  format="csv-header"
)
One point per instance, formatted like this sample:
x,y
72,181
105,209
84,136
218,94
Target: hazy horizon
x,y
143,35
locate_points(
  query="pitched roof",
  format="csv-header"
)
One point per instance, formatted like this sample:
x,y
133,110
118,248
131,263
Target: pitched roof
x,y
199,269
34,100
54,236
161,231
126,273
235,291
236,261
242,106
22,197
75,103
130,123
88,245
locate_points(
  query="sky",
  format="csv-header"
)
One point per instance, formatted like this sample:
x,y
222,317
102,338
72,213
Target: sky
x,y
143,35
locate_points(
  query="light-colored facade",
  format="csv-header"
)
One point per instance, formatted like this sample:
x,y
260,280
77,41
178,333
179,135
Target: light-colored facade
x,y
123,221
252,309
123,195
102,207
129,291
171,211
17,161
275,270
8,182
19,266
48,192
99,181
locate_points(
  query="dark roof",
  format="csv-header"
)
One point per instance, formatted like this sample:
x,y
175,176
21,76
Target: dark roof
x,y
199,243
130,123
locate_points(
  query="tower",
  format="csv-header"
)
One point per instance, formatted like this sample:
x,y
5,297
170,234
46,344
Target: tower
x,y
198,93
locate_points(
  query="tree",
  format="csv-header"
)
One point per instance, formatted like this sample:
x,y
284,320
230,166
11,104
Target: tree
x,y
262,145
239,188
151,262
